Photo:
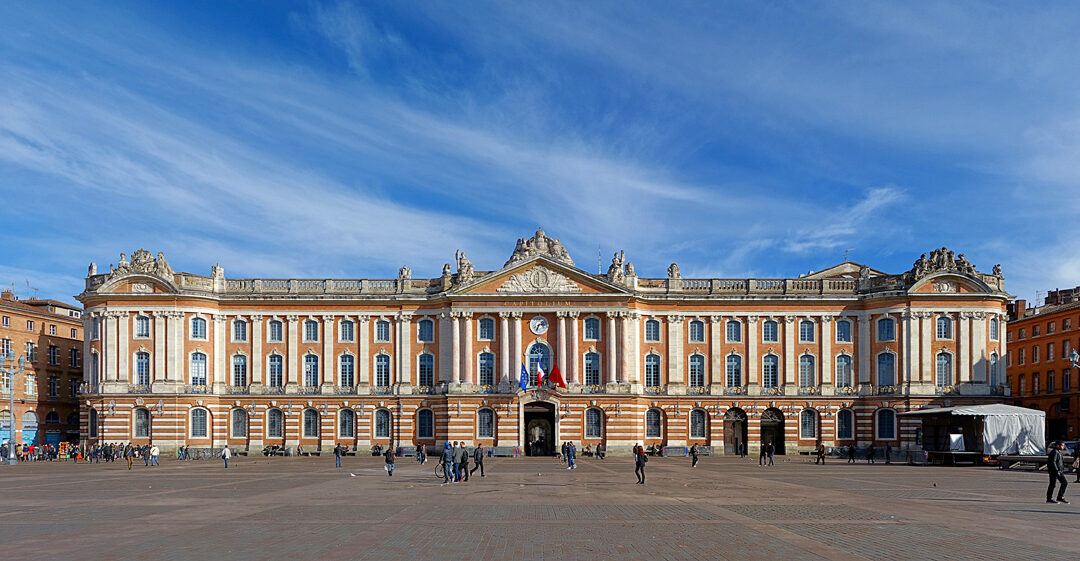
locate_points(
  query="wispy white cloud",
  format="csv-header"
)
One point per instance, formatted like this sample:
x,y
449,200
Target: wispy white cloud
x,y
841,228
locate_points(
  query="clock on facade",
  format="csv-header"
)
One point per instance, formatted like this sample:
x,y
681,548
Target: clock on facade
x,y
538,325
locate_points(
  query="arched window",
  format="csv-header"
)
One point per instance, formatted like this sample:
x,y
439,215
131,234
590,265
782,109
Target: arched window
x,y
486,329
311,330
425,424
311,370
652,370
886,369
93,422
142,327
808,423
275,371
592,369
653,428
734,371
239,371
198,423
426,370
843,331
995,377
770,371
652,330
769,332
944,370
697,331
886,424
806,331
594,423
807,373
198,328
382,424
486,369
886,329
197,369
239,330
347,331
382,331
275,423
347,371
346,423
994,327
698,422
142,368
142,423
239,423
843,371
592,329
697,371
845,425
425,331
382,370
944,327
275,333
311,423
539,355
485,423
734,331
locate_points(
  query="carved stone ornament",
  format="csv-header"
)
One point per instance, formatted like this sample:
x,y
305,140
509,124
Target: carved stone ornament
x,y
539,244
142,262
944,286
142,287
538,280
941,259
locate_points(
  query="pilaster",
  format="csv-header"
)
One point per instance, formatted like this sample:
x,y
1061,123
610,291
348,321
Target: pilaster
x,y
292,362
504,347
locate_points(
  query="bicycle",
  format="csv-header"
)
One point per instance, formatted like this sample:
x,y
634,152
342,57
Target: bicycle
x,y
440,470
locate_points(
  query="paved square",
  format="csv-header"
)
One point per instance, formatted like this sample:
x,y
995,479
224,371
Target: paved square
x,y
530,508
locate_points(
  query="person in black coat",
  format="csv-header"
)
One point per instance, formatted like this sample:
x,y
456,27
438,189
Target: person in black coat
x,y
1055,468
639,463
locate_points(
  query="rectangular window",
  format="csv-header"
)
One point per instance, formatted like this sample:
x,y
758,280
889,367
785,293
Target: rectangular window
x,y
54,355
95,329
806,331
31,352
1066,324
73,389
1049,351
652,331
843,331
7,321
592,329
1066,380
54,386
734,331
1035,384
73,358
1023,333
697,332
382,331
275,332
1051,383
1022,381
31,384
487,329
348,331
29,325
5,346
1035,353
52,329
311,330
239,330
1050,327
886,330
1020,356
1066,346
74,333
1035,330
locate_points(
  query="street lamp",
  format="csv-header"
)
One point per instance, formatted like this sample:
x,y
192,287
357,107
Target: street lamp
x,y
11,371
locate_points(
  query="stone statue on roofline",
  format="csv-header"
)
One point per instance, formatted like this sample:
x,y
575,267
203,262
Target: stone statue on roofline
x,y
465,268
539,244
615,271
673,271
404,273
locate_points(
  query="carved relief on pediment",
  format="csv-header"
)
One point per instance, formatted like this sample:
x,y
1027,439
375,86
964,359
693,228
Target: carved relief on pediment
x,y
538,280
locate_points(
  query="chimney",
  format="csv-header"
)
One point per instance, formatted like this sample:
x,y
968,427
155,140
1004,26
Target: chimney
x,y
8,295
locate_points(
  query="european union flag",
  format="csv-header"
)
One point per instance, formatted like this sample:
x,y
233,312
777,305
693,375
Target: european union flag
x,y
523,382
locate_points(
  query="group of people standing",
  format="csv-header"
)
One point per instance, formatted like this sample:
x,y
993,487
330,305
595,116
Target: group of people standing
x,y
455,461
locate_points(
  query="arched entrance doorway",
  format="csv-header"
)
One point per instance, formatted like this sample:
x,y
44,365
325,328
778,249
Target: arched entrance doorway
x,y
29,428
734,431
772,429
539,428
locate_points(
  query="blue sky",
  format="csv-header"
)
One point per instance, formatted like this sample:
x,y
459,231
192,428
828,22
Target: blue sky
x,y
339,139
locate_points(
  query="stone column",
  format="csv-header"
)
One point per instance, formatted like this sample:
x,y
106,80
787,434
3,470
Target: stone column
x,y
926,347
625,365
963,343
561,326
516,343
446,348
467,353
675,353
363,361
122,358
575,352
978,347
160,338
329,361
405,356
177,372
256,350
504,347
455,341
221,363
752,370
790,334
633,374
906,346
88,320
828,364
611,359
292,362
717,379
110,332
864,360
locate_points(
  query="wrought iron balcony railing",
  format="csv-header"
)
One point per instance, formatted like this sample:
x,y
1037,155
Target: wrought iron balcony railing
x,y
655,390
775,390
886,390
196,388
698,390
310,390
345,390
238,390
809,390
735,390
139,388
382,390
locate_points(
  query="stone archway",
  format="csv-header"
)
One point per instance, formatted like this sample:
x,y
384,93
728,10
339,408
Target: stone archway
x,y
772,429
734,431
540,428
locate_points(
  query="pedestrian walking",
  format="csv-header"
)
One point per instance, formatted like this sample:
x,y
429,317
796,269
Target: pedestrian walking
x,y
459,453
154,451
639,463
601,450
478,458
389,456
762,454
770,449
820,455
129,455
870,453
888,453
338,452
693,455
1055,468
145,453
464,467
571,455
447,460
225,455
851,454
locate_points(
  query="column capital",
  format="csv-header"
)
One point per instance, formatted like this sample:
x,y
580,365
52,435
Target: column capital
x,y
328,319
675,317
292,318
516,315
789,318
405,317
967,315
256,318
716,319
363,317
220,318
562,314
632,315
615,314
504,315
827,319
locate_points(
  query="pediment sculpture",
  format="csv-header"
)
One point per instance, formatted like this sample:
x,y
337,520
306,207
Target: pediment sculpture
x,y
941,259
539,244
142,262
538,280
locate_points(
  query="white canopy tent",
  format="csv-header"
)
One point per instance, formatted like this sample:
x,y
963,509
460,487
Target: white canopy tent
x,y
1005,429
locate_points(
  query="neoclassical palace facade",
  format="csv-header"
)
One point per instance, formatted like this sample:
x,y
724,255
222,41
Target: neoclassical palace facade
x,y
829,357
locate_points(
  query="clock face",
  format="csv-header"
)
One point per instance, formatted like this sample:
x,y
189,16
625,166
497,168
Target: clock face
x,y
538,325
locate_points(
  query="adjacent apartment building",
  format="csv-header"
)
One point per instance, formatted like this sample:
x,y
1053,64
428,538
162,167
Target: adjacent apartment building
x,y
830,357
50,335
1040,371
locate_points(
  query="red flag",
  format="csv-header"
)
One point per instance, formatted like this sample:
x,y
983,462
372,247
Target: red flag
x,y
556,376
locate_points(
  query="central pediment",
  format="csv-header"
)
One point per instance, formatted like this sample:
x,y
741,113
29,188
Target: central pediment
x,y
538,279
540,275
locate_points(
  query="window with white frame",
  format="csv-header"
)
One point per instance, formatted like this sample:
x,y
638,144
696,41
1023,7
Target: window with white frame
x,y
311,423
845,425
197,369
808,424
886,369
1050,327
1020,356
995,376
652,370
311,370
95,369
843,331
7,321
486,369
1034,353
944,370
734,331
425,424
382,424
347,371
31,384
886,424
698,423
697,371
239,374
592,369
31,352
52,329
485,423
697,331
95,328
652,331
239,330
886,329
1049,351
486,329
239,423
198,328
592,329
275,370
1035,330
73,358
93,423
944,327
806,331
426,370
347,331
770,332
275,423
74,333
54,386
807,373
5,346
142,368
843,371
346,423
995,329
425,331
382,331
311,331
653,424
382,370
142,327
276,332
199,423
29,325
142,423
594,423
734,371
770,371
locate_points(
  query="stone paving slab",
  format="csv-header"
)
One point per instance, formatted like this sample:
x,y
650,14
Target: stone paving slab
x,y
528,508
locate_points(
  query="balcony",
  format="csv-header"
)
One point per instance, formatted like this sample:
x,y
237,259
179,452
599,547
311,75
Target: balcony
x,y
776,390
809,390
698,390
487,388
274,390
344,390
655,390
382,390
847,390
423,390
196,388
139,388
886,390
593,388
734,390
238,390
310,390
947,389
